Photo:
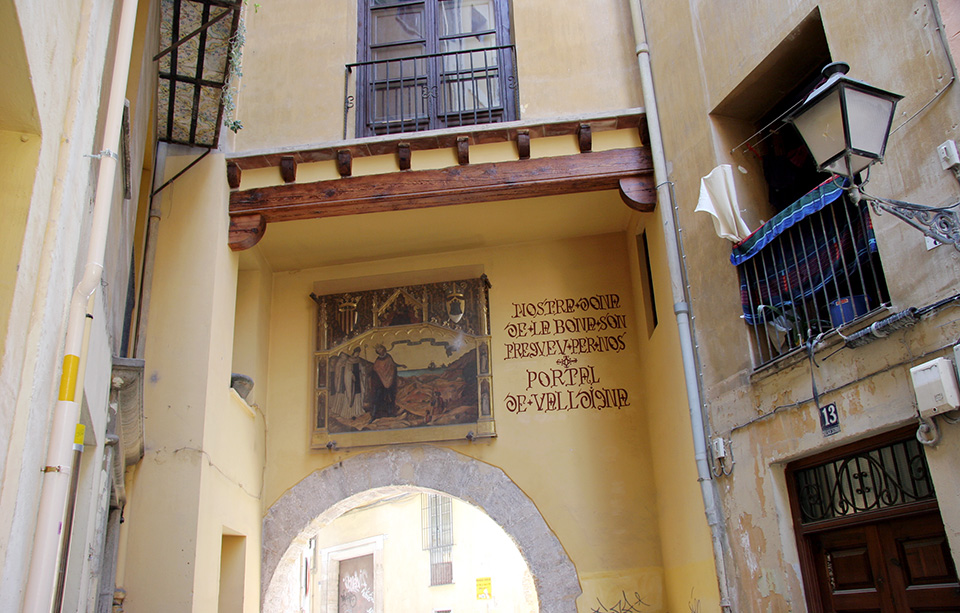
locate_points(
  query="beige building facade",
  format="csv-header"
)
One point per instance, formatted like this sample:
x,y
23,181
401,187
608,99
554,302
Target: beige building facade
x,y
453,247
764,391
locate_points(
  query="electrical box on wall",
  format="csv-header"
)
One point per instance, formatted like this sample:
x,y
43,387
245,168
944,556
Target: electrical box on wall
x,y
949,157
719,448
935,384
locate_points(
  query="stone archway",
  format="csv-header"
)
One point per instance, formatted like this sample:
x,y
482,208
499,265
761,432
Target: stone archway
x,y
325,494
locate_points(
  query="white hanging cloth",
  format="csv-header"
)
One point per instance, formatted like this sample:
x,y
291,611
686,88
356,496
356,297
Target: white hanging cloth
x,y
718,197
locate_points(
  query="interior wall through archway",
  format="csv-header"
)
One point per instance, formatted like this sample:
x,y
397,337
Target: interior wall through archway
x,y
326,494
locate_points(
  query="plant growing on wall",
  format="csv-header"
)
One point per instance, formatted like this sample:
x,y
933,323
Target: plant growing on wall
x,y
235,71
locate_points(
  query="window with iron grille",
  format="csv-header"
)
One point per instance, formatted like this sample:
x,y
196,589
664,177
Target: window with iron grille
x,y
436,520
810,269
429,64
812,263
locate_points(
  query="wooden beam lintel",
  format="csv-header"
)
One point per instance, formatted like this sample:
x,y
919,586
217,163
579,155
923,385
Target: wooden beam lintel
x,y
629,170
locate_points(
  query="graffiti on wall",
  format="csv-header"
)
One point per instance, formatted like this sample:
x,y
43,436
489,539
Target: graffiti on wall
x,y
626,604
567,332
356,585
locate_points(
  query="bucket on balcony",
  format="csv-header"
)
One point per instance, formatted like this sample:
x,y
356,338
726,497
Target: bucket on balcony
x,y
847,309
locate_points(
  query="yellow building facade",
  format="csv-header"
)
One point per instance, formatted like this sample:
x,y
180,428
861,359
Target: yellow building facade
x,y
635,438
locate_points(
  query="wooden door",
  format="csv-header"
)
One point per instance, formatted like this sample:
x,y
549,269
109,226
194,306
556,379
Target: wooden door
x,y
891,566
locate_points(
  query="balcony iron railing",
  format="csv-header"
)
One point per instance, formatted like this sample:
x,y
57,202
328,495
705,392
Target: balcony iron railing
x,y
812,268
431,91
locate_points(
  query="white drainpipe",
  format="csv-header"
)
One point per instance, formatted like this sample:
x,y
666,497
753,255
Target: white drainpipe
x,y
47,545
681,306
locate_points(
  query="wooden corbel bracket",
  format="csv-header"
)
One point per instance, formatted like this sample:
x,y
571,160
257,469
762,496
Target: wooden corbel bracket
x,y
288,169
246,231
638,193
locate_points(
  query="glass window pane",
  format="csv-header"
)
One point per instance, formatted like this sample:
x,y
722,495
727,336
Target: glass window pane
x,y
399,69
398,24
464,59
477,92
822,128
466,17
869,118
398,103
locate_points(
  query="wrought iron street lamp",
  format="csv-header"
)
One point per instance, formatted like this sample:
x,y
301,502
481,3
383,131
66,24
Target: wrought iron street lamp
x,y
845,124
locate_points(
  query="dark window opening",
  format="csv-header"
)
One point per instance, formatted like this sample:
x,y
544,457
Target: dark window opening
x,y
788,167
646,281
751,116
432,64
811,264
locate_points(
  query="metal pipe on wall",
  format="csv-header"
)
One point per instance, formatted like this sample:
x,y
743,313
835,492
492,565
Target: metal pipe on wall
x,y
48,541
149,253
681,306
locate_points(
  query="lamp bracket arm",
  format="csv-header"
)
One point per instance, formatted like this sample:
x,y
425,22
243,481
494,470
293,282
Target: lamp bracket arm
x,y
939,223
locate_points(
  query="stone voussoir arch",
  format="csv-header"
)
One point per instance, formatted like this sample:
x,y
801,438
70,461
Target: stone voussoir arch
x,y
329,492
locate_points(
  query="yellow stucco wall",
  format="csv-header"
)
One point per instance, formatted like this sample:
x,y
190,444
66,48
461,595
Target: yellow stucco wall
x,y
293,66
685,573
588,472
689,568
201,474
18,160
617,486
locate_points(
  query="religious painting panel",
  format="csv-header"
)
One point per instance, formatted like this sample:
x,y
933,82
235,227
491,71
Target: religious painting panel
x,y
403,364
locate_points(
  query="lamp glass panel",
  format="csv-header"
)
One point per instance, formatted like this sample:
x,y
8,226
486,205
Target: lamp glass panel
x,y
821,127
856,164
869,117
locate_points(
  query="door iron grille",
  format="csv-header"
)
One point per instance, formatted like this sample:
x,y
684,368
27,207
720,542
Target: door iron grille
x,y
871,480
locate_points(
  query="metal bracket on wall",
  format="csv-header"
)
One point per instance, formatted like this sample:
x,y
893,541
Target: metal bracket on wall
x,y
941,223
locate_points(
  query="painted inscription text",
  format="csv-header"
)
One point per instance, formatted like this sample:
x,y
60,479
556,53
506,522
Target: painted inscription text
x,y
566,327
532,323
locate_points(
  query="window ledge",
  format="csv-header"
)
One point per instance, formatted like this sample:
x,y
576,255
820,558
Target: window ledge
x,y
445,138
240,402
830,341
